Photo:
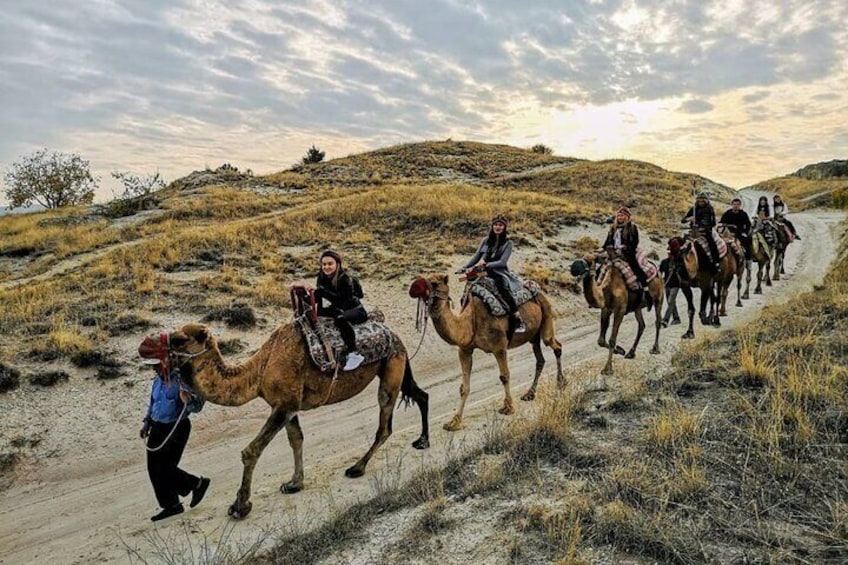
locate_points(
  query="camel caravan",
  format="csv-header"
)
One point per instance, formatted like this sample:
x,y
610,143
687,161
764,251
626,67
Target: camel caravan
x,y
333,348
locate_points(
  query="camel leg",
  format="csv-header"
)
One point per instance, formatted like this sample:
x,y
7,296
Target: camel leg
x,y
759,289
548,336
503,365
739,289
387,396
690,306
748,265
295,435
540,364
250,455
616,323
657,325
768,273
557,347
605,321
465,358
640,321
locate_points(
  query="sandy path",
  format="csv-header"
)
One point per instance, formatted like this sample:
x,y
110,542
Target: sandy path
x,y
89,504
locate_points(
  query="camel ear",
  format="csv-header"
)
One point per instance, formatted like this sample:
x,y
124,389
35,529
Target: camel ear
x,y
445,279
202,335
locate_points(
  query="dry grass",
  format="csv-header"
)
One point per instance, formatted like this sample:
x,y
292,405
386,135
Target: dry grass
x,y
802,194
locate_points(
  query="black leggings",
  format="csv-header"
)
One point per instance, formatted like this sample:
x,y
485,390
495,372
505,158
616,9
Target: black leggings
x,y
503,287
344,320
168,480
708,234
637,268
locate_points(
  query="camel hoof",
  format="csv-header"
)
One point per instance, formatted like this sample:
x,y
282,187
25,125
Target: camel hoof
x,y
454,425
655,350
688,335
630,355
606,371
290,487
506,410
768,283
618,350
354,472
723,314
421,443
237,513
529,396
739,304
746,296
603,344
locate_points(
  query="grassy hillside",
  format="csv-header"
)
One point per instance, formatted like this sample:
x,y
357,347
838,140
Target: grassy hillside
x,y
802,194
221,236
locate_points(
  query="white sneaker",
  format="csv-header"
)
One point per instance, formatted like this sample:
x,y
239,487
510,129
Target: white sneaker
x,y
354,360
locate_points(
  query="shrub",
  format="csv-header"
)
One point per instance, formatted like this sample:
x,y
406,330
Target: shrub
x,y
48,378
10,378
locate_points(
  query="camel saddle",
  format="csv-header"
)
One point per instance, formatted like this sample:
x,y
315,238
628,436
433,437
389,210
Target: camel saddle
x,y
626,270
374,340
735,246
721,245
485,289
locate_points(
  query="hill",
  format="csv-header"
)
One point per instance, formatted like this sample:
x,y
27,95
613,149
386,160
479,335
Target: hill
x,y
819,184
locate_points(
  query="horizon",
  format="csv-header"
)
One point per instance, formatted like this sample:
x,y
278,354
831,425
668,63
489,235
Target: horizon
x,y
735,92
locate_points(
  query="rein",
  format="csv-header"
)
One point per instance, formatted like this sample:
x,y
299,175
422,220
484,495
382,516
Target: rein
x,y
173,429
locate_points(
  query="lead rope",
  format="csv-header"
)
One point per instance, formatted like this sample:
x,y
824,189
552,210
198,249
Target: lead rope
x,y
421,322
161,445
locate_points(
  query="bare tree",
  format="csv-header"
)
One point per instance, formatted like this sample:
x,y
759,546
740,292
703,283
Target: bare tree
x,y
52,180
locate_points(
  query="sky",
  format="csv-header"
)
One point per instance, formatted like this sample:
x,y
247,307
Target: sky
x,y
738,91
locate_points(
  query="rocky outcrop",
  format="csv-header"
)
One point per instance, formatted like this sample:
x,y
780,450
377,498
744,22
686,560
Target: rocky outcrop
x,y
825,170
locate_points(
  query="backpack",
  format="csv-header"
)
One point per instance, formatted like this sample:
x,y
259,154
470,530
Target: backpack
x,y
357,287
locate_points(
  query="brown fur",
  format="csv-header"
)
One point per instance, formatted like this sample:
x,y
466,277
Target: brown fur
x,y
615,300
282,374
707,281
474,328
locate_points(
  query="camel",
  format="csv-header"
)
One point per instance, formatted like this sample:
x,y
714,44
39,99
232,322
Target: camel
x,y
713,284
615,300
729,237
475,328
282,373
761,253
784,238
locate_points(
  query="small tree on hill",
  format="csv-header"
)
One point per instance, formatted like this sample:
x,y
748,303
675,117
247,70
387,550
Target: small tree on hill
x,y
314,155
136,186
50,179
542,149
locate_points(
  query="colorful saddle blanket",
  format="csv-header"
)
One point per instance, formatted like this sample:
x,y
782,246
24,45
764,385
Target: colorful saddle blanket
x,y
486,290
626,270
721,245
762,241
374,340
736,247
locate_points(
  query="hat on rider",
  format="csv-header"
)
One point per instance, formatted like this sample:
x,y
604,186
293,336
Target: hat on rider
x,y
624,210
502,219
703,195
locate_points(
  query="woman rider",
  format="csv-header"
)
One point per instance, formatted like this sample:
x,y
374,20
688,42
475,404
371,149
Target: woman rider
x,y
335,285
492,256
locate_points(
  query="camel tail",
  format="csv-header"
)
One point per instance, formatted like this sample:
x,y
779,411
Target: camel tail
x,y
545,305
409,389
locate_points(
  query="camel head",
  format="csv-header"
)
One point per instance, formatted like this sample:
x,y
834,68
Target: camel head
x,y
431,285
191,340
582,267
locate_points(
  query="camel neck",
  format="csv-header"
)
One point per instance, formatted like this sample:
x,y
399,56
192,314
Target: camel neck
x,y
227,385
456,330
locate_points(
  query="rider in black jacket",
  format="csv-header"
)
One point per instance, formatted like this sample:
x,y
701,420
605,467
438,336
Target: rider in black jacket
x,y
702,217
738,218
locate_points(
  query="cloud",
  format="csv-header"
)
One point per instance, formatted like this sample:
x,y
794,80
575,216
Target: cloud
x,y
695,107
202,80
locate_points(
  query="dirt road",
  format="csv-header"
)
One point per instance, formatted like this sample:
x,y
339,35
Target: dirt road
x,y
91,502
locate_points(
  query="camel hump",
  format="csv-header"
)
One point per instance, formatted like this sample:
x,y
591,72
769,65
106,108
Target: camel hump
x,y
485,289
